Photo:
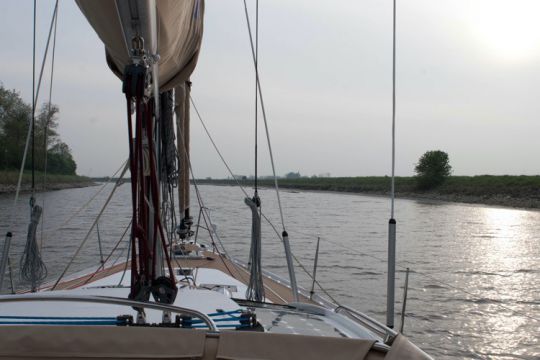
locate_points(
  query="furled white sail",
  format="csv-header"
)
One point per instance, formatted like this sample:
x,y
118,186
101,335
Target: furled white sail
x,y
179,28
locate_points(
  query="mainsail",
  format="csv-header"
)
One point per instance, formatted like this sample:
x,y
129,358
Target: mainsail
x,y
179,29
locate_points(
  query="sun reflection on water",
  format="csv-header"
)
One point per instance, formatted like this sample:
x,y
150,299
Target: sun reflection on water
x,y
498,249
502,228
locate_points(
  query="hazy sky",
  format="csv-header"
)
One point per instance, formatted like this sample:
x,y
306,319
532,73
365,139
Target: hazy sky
x,y
468,78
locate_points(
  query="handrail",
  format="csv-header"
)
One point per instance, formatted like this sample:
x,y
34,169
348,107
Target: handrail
x,y
111,300
388,334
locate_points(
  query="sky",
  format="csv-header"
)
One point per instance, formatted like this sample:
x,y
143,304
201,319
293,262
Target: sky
x,y
468,78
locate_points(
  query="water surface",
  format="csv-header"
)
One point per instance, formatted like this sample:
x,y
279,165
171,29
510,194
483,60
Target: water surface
x,y
475,271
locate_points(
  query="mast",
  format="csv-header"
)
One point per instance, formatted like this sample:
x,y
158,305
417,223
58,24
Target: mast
x,y
153,47
181,109
141,86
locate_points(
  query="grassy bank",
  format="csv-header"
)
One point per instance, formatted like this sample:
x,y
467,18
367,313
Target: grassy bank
x,y
514,191
9,178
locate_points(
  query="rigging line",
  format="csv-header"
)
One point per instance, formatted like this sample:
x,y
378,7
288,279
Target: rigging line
x,y
344,247
474,296
216,147
393,113
51,26
126,265
85,205
227,165
245,193
263,109
90,230
121,254
33,102
205,209
199,199
316,281
35,92
302,266
256,96
46,131
206,221
35,96
102,264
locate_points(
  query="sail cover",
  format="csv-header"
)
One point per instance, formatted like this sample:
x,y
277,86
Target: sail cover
x,y
179,27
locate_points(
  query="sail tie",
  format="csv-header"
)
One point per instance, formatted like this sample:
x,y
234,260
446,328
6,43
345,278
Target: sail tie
x,y
255,290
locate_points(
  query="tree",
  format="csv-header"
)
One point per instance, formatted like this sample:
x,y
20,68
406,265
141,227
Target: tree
x,y
15,118
432,169
60,161
292,175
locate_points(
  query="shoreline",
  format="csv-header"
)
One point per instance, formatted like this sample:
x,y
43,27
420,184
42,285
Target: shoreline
x,y
497,200
10,178
26,188
493,201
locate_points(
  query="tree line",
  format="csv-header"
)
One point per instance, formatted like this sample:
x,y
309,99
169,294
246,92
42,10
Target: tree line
x,y
50,152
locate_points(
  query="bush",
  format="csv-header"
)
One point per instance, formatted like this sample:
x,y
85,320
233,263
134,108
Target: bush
x,y
432,169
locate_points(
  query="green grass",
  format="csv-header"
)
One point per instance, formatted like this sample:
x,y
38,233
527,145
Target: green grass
x,y
490,185
477,186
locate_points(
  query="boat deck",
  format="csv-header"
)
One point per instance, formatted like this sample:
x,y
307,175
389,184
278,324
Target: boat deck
x,y
209,284
275,291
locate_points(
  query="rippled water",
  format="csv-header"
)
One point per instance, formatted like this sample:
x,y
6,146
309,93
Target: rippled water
x,y
474,288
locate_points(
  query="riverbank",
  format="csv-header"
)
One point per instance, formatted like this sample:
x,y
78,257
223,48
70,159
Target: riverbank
x,y
510,191
8,181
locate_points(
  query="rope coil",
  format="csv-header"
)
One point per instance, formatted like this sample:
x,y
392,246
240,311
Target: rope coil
x,y
33,270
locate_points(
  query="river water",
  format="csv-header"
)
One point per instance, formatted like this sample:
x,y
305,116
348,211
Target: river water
x,y
474,287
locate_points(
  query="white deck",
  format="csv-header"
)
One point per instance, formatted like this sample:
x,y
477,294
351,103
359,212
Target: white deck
x,y
202,300
212,293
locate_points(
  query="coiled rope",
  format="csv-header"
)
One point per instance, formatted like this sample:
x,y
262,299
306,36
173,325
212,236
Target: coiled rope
x,y
32,268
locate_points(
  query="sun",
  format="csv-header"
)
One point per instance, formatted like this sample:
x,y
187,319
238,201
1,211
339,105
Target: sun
x,y
509,29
